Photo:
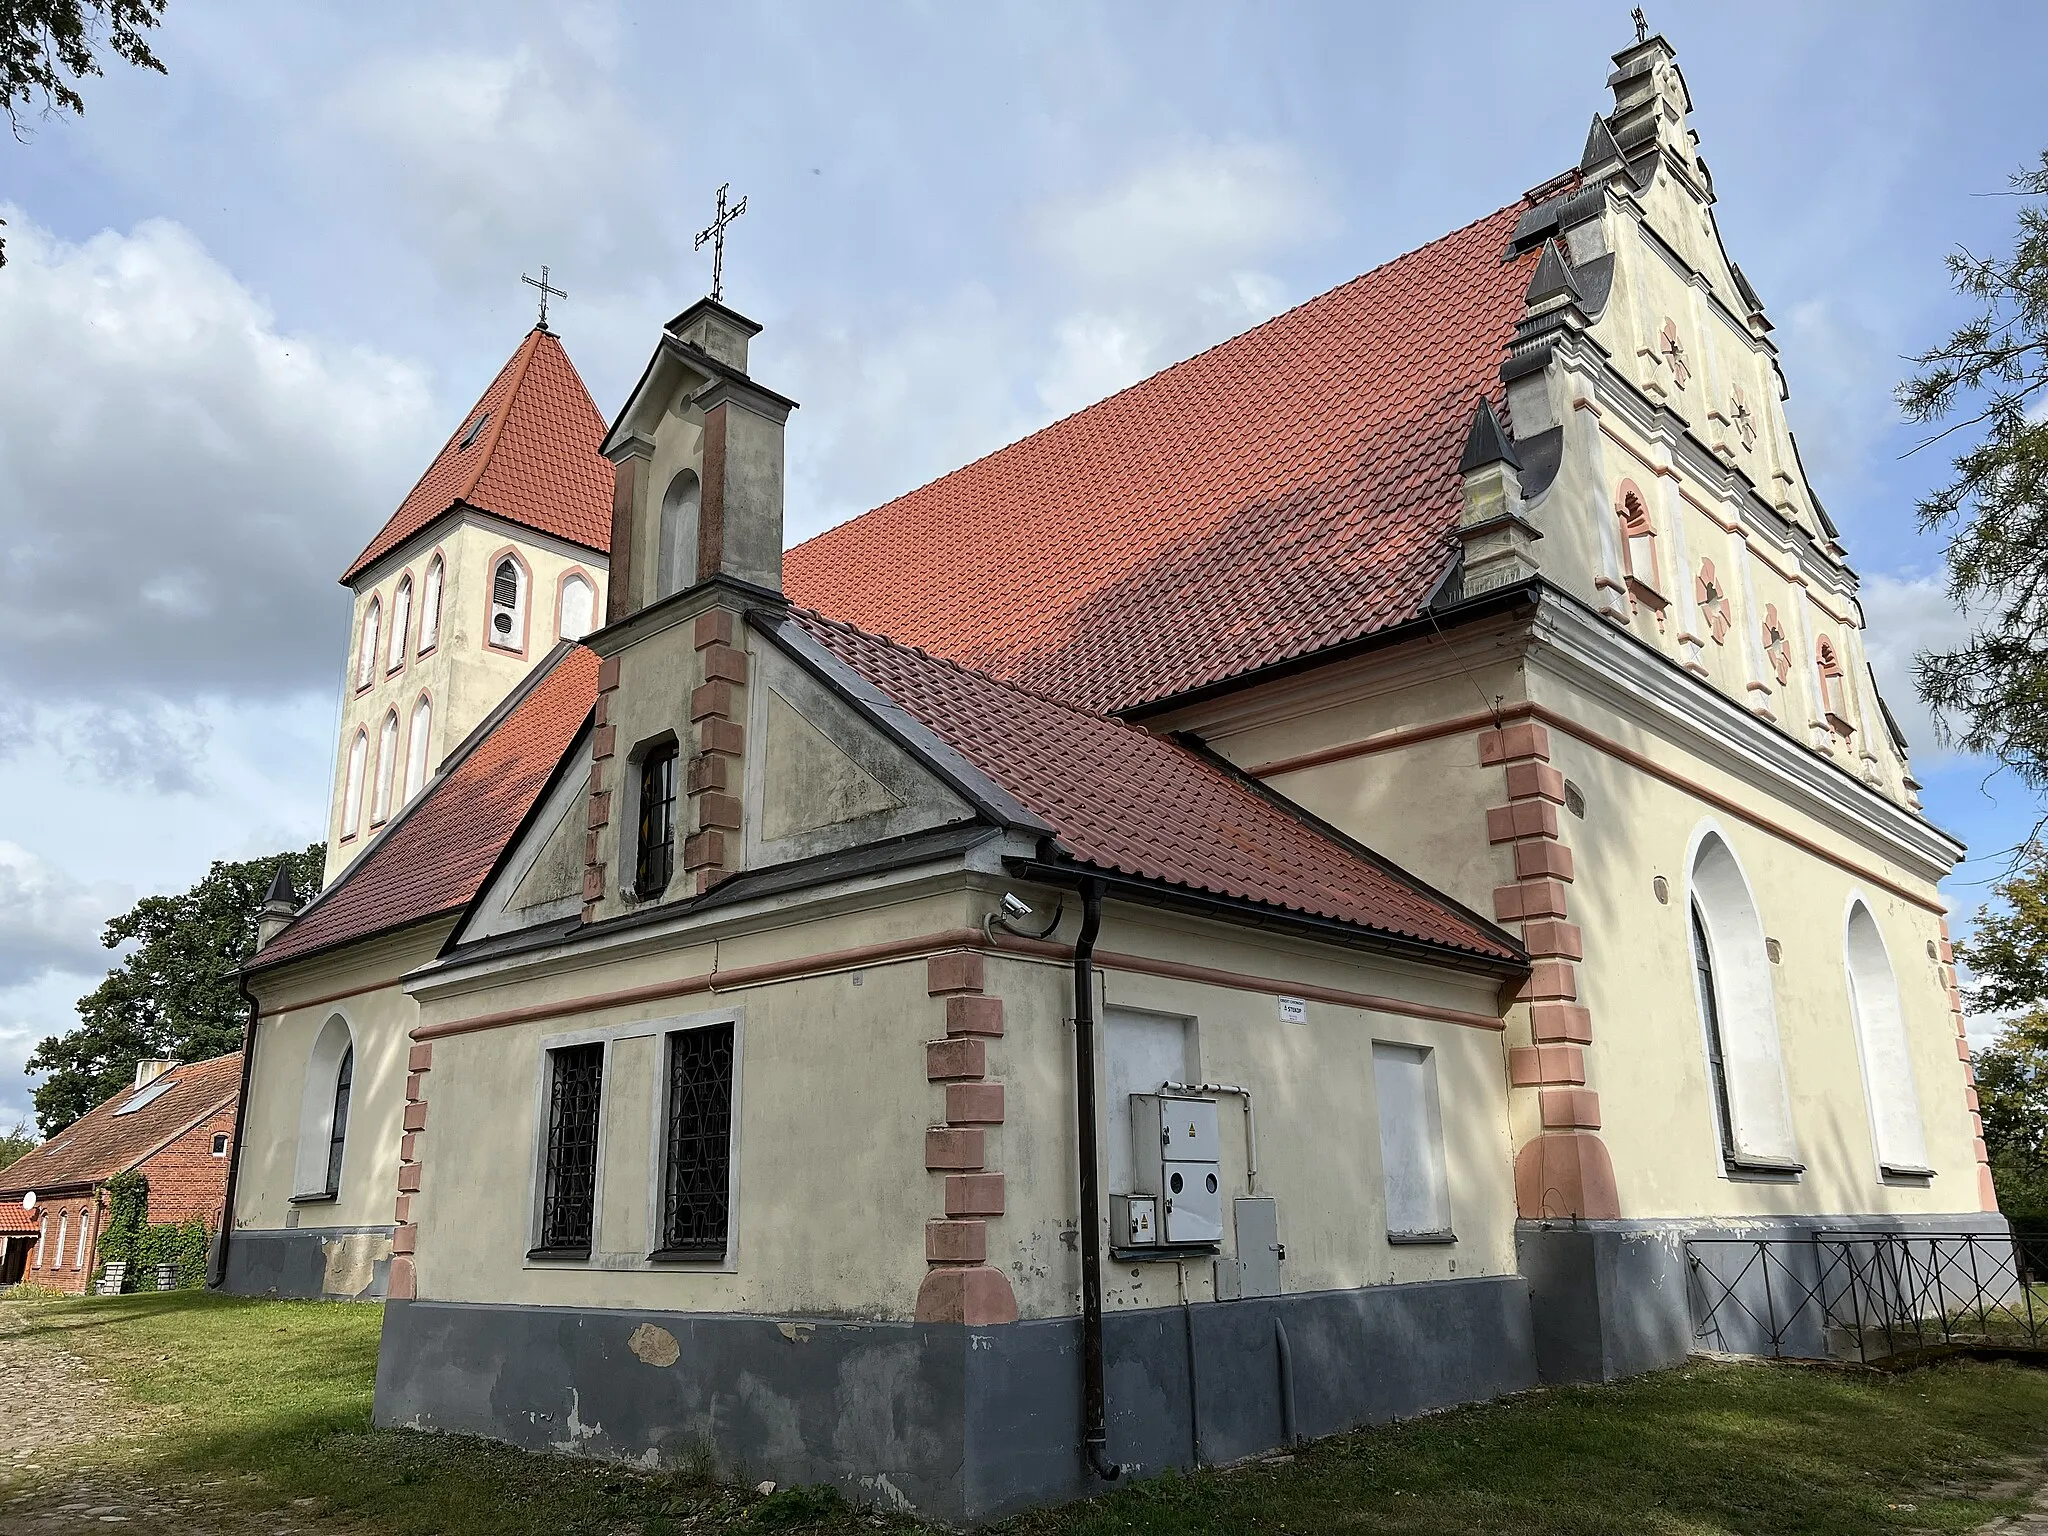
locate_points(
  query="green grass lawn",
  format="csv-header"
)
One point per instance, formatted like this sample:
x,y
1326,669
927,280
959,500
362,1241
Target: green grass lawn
x,y
271,1402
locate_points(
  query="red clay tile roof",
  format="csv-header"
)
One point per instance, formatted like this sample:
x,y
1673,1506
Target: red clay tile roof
x,y
103,1142
15,1222
1123,800
1288,490
534,462
435,856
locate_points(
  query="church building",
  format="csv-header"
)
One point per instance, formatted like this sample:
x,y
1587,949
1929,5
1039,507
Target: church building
x,y
1300,894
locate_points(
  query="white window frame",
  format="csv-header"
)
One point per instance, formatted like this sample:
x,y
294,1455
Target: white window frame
x,y
430,604
1437,1172
84,1231
401,621
387,768
316,1109
577,579
372,630
1877,1010
1736,953
355,774
602,1258
419,732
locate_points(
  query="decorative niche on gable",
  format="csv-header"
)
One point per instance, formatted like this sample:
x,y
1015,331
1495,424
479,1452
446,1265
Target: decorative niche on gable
x,y
825,778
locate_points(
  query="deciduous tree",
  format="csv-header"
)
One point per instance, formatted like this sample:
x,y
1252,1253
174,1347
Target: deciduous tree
x,y
1989,383
175,995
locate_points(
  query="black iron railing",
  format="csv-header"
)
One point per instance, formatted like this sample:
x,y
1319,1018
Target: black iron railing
x,y
1865,1295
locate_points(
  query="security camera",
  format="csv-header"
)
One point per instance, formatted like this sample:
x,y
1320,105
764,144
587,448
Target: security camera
x,y
1015,907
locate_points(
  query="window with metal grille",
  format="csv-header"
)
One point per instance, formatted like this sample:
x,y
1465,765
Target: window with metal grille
x,y
508,592
697,1183
656,859
569,1189
344,1081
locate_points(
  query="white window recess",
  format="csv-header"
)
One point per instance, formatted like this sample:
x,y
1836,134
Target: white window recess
x,y
416,746
1886,1051
430,607
366,656
1412,1162
579,609
1742,1010
387,765
401,621
332,1047
352,785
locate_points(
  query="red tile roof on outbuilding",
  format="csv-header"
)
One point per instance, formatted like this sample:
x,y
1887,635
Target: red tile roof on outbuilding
x,y
1128,802
1289,490
434,858
103,1142
534,461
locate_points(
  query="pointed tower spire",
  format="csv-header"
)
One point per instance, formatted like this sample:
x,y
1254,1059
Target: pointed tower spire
x,y
1487,442
1600,146
279,906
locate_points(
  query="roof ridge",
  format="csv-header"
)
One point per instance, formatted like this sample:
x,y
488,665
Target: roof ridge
x,y
522,362
1161,372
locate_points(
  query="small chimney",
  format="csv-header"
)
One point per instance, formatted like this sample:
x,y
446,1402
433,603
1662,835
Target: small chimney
x,y
150,1071
279,906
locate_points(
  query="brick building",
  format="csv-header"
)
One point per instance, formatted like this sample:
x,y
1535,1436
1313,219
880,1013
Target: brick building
x,y
175,1125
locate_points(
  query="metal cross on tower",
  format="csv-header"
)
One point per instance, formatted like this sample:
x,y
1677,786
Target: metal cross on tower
x,y
541,283
714,236
1642,24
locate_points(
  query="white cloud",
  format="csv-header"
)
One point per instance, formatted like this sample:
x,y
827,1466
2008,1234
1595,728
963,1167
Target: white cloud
x,y
50,921
1195,211
1906,615
180,481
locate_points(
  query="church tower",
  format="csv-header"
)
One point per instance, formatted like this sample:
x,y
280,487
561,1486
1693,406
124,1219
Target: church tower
x,y
500,551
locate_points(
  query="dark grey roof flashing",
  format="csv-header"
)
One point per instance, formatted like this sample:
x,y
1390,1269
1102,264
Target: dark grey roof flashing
x,y
1486,443
1541,456
1553,279
1600,145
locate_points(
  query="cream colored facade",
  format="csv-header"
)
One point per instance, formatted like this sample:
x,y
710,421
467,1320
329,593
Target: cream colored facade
x,y
286,1119
461,673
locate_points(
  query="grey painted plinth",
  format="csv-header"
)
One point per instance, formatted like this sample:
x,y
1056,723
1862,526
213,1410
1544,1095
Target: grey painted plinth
x,y
1615,1298
961,1424
309,1263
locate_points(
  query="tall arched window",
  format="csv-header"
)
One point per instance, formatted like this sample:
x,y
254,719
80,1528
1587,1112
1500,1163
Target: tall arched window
x,y
676,563
366,657
387,764
1834,692
323,1112
578,607
430,608
63,1230
416,746
508,605
401,622
1884,1048
1738,1015
352,785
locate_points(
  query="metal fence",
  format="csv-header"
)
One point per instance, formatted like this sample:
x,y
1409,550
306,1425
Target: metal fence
x,y
1865,1296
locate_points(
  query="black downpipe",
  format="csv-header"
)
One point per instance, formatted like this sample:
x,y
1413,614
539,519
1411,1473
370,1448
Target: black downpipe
x,y
219,1276
1094,1403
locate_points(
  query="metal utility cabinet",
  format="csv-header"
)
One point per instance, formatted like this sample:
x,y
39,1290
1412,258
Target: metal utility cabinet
x,y
1177,1148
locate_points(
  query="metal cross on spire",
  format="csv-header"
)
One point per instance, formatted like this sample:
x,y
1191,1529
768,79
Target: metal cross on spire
x,y
714,236
1642,24
541,283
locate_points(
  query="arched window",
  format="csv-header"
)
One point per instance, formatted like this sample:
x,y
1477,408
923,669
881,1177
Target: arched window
x,y
1834,692
1884,1048
676,562
63,1231
416,746
352,785
508,605
578,607
387,764
430,608
366,657
401,622
323,1112
1738,1015
1638,537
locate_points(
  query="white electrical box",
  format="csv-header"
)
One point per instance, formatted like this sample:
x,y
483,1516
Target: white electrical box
x,y
1176,1149
1134,1221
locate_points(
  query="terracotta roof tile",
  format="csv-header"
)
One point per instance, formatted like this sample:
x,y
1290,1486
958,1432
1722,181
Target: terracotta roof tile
x,y
103,1142
533,462
16,1222
1288,490
1125,801
434,858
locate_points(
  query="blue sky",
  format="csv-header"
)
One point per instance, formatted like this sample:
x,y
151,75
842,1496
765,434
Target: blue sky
x,y
248,299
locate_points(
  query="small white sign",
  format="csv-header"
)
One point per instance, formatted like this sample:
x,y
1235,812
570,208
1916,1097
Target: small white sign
x,y
1293,1010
